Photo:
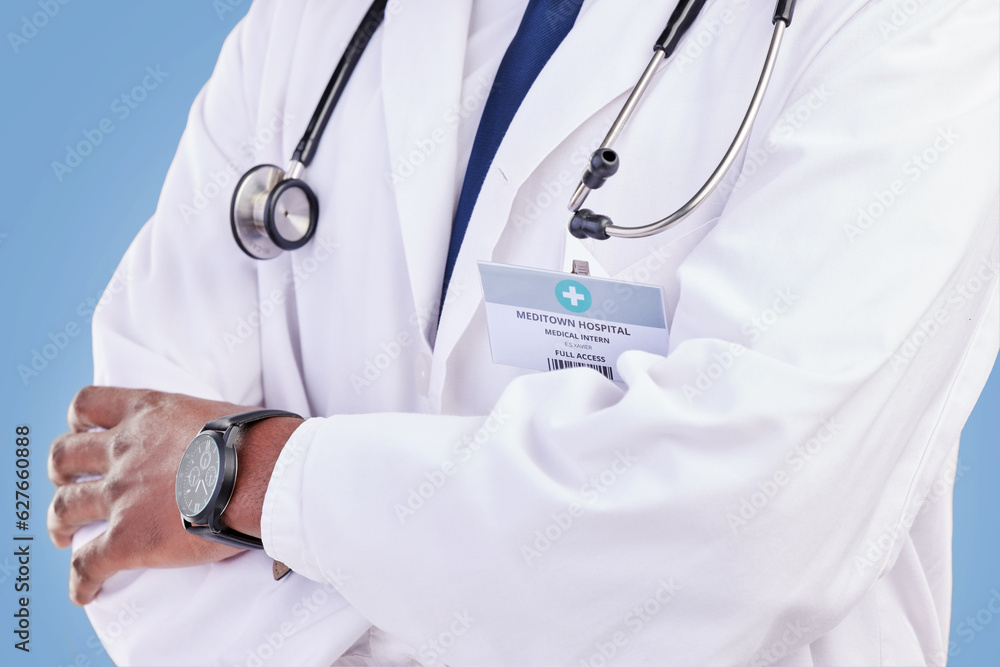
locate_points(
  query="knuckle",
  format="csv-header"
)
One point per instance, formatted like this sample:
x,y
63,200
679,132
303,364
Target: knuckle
x,y
57,456
59,505
56,523
80,400
121,539
78,562
148,399
115,487
120,445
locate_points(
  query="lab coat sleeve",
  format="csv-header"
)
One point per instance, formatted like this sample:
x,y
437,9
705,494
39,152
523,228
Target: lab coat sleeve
x,y
832,334
162,324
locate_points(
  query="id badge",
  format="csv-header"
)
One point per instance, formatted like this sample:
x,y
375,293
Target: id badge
x,y
546,320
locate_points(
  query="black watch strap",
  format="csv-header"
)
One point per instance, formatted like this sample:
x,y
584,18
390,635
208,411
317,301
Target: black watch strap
x,y
234,539
225,424
216,531
224,536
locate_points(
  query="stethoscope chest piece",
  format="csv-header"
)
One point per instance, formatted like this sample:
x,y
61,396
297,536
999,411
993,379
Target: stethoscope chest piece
x,y
271,213
274,209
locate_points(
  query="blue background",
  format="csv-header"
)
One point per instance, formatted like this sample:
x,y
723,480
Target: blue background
x,y
60,242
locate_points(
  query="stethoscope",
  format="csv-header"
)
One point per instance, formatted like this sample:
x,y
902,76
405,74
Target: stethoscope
x,y
274,209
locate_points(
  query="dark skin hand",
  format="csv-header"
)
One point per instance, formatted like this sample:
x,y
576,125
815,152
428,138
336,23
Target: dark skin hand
x,y
137,456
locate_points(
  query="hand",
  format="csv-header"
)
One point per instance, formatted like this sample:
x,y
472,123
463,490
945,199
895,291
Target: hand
x,y
137,456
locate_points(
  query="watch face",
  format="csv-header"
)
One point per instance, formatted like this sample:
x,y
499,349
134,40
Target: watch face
x,y
197,475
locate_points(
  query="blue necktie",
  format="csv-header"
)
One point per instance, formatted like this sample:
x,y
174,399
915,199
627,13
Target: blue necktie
x,y
544,26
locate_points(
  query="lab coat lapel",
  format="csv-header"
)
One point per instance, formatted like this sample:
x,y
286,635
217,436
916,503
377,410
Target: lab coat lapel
x,y
597,63
423,61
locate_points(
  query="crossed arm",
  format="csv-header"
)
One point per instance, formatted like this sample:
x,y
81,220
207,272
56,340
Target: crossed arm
x,y
133,439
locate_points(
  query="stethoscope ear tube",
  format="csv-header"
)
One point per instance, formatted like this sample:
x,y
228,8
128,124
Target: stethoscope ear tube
x,y
603,165
586,223
589,225
783,12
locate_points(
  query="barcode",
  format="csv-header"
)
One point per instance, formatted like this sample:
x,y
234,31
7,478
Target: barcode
x,y
559,364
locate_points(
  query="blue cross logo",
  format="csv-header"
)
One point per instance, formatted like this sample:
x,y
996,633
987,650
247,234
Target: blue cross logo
x,y
573,296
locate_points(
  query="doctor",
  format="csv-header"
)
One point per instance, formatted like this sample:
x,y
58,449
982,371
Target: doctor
x,y
775,489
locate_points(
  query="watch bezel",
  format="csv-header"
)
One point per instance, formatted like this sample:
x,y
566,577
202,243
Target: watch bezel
x,y
224,483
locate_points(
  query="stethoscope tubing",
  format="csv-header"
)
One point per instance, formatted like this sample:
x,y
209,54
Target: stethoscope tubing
x,y
735,147
604,164
254,209
306,148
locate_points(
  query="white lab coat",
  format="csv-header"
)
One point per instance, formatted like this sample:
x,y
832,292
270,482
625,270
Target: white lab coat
x,y
777,489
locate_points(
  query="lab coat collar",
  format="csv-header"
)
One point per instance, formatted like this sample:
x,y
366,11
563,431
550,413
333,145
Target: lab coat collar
x,y
418,92
594,68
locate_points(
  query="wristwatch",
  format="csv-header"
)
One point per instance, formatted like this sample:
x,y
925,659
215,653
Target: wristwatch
x,y
206,477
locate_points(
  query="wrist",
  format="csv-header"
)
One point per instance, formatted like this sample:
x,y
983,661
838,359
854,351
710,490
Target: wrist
x,y
257,446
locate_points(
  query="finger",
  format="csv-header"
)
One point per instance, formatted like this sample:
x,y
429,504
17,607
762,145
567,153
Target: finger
x,y
89,568
100,406
73,455
74,506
